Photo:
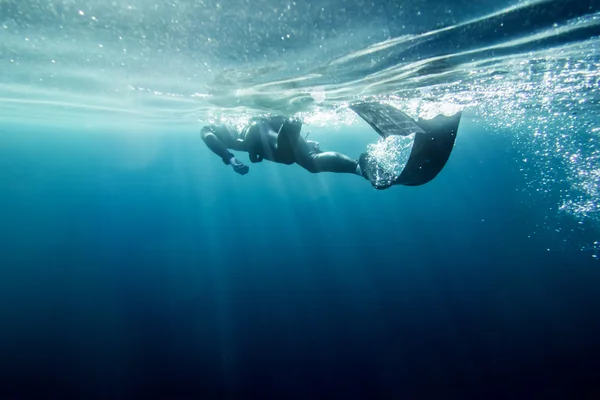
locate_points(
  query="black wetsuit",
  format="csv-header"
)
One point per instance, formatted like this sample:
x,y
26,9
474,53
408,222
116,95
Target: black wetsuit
x,y
275,139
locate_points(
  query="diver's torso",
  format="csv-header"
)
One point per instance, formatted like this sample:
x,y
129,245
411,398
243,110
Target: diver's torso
x,y
260,137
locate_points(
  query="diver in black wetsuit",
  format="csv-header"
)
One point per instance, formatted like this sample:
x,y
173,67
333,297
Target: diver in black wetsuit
x,y
278,139
275,139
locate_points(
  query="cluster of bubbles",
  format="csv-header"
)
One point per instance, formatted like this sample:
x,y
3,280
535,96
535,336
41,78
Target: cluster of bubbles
x,y
555,124
387,157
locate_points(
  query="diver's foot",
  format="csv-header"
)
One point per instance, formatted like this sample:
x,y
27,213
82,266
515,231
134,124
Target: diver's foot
x,y
358,171
362,167
368,170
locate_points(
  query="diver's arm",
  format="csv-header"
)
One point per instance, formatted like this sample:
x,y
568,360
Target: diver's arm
x,y
217,142
210,136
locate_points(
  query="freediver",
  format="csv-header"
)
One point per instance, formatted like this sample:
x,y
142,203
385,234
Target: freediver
x,y
278,139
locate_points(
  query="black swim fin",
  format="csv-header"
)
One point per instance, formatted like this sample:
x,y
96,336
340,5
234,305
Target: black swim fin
x,y
433,143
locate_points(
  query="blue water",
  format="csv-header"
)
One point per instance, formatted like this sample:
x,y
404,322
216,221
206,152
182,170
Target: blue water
x,y
134,264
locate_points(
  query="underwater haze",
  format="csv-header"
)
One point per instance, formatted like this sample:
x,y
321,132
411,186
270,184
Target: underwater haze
x,y
134,264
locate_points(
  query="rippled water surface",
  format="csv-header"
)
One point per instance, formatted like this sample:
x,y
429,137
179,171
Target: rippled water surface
x,y
181,61
527,69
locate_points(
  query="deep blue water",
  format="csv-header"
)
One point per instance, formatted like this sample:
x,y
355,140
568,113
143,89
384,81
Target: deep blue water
x,y
142,267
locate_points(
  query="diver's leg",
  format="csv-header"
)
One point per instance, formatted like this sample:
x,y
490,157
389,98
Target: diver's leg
x,y
328,161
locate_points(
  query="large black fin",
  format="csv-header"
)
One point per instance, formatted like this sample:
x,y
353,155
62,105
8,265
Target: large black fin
x,y
434,139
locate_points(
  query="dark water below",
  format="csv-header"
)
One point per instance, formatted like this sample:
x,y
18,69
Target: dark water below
x,y
164,275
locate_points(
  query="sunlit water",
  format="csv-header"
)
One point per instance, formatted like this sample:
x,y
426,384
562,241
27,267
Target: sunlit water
x,y
528,69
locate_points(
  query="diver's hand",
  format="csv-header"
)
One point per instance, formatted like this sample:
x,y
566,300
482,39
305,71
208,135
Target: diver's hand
x,y
239,166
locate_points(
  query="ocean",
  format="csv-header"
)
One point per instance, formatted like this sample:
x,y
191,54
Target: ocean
x,y
134,264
